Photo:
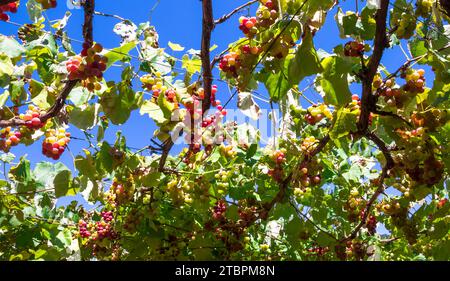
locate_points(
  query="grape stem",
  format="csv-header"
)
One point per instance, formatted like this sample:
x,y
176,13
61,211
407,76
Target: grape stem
x,y
229,15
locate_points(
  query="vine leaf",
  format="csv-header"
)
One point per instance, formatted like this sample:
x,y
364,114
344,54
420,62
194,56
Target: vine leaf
x,y
306,61
344,123
277,82
248,106
334,81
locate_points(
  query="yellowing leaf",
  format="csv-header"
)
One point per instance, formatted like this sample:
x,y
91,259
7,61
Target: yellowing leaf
x,y
175,47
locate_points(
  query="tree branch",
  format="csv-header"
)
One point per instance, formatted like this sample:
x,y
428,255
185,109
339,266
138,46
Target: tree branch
x,y
369,204
380,42
391,114
229,15
299,213
207,28
380,189
88,6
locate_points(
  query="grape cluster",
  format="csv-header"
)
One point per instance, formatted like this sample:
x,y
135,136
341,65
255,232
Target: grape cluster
x,y
431,119
55,143
355,250
230,63
240,61
155,83
441,203
316,113
429,173
354,49
179,192
47,4
355,205
318,250
32,117
390,208
246,213
9,138
371,223
219,210
83,229
387,89
88,67
120,192
278,157
419,162
424,7
248,26
11,8
223,178
405,22
415,80
227,151
392,93
310,174
97,230
355,106
267,13
132,221
309,144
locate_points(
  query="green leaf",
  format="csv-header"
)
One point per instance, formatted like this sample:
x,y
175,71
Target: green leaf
x,y
417,47
104,159
166,106
306,61
118,101
345,122
62,183
277,82
10,47
155,59
86,166
334,81
154,111
45,172
248,106
64,237
3,98
6,70
17,91
34,10
79,96
192,65
84,117
119,53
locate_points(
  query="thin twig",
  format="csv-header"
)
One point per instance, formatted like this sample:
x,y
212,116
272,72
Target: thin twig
x,y
229,15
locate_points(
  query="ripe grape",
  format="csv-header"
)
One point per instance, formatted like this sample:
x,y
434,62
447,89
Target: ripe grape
x,y
55,142
354,49
47,4
316,113
88,67
10,7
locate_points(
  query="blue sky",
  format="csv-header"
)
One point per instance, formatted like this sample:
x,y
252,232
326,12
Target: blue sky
x,y
178,21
